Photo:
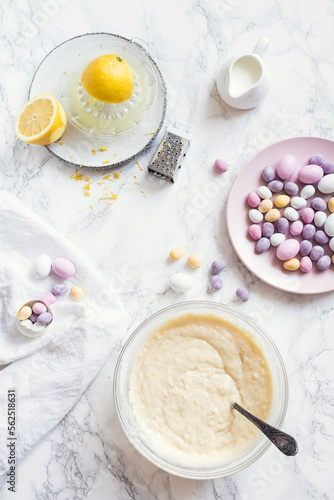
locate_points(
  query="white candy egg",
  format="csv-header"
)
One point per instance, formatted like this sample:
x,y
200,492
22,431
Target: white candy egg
x,y
298,202
276,239
180,282
331,244
320,218
291,214
329,225
326,184
42,266
264,192
255,216
307,191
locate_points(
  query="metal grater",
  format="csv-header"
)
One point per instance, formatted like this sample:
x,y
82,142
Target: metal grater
x,y
168,158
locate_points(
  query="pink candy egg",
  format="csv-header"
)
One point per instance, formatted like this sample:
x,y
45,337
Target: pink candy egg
x,y
286,167
49,298
296,228
221,166
255,231
39,308
253,199
63,267
310,174
308,215
288,249
305,264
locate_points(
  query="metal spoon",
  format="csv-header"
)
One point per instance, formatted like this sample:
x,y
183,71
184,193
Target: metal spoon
x,y
284,442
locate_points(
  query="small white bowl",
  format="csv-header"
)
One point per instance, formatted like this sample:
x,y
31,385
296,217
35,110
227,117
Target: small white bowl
x,y
31,332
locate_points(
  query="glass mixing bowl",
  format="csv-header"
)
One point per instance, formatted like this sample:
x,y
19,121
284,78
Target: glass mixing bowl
x,y
122,376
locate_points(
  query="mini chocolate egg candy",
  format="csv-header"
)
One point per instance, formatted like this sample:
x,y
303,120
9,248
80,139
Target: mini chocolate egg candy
x,y
218,265
268,174
308,232
320,218
321,237
326,184
282,225
33,317
275,186
318,204
291,188
328,167
242,293
221,166
286,167
45,318
255,231
262,245
310,174
176,253
305,264
39,308
291,264
288,249
42,266
63,267
49,298
331,244
27,323
324,263
316,159
316,253
255,216
59,289
296,228
291,214
194,261
77,292
298,202
265,206
276,239
330,204
253,199
216,283
268,229
273,215
307,191
308,215
282,200
264,192
180,282
305,247
38,327
332,259
329,225
24,313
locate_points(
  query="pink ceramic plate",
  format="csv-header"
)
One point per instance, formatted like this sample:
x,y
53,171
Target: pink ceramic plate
x,y
266,266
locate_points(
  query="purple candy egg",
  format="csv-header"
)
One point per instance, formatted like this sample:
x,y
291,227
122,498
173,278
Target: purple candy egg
x,y
242,293
291,188
275,186
39,308
319,204
217,266
33,317
216,283
267,229
324,263
328,167
308,231
268,174
59,289
262,245
316,253
321,237
282,225
316,159
305,247
45,318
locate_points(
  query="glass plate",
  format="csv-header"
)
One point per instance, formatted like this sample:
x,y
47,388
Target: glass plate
x,y
266,266
121,130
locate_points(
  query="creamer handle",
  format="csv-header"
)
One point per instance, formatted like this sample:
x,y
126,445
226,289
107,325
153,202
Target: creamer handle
x,y
261,46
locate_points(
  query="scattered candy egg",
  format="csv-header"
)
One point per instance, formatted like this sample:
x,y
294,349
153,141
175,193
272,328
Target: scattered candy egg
x,y
39,308
308,232
276,239
321,237
253,199
268,229
291,214
329,225
268,174
264,192
242,293
77,292
218,265
316,159
282,200
49,298
33,317
310,174
296,228
273,215
291,264
221,166
42,266
255,216
286,167
194,261
176,253
298,202
324,263
27,323
308,215
45,318
331,244
275,186
282,225
24,313
318,203
255,231
320,218
330,204
328,167
305,247
305,264
307,191
326,184
180,282
262,245
216,283
63,267
59,289
291,188
316,253
288,249
265,205
332,259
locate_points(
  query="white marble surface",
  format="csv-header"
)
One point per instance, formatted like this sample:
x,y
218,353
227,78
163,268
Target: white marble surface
x,y
87,454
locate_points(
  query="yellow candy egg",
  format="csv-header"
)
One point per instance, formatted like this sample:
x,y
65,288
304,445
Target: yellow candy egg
x,y
265,206
194,261
282,200
272,215
333,258
77,292
24,313
331,204
176,253
291,264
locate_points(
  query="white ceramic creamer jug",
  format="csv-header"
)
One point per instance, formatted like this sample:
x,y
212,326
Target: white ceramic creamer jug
x,y
243,81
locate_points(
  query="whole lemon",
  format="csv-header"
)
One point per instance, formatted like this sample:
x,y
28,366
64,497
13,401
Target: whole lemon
x,y
108,78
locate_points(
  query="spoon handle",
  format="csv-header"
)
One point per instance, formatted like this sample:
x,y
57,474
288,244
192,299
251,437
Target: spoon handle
x,y
284,442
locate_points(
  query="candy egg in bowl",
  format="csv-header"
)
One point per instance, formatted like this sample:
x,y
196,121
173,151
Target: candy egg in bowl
x,y
177,377
33,318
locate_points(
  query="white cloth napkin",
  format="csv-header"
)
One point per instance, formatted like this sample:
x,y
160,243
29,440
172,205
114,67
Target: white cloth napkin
x,y
48,373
